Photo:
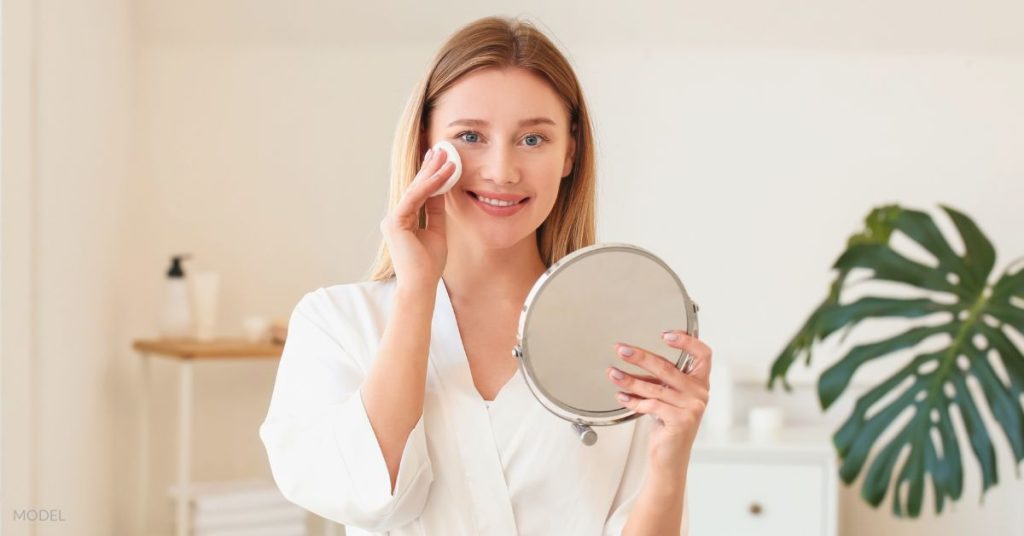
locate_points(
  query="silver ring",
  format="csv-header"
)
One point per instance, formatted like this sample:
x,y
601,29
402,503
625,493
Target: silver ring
x,y
687,364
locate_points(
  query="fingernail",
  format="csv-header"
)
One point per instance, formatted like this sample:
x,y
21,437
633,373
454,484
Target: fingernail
x,y
670,336
626,351
617,374
622,397
430,152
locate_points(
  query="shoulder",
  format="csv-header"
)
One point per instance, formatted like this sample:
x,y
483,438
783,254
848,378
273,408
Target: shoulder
x,y
349,311
347,300
347,297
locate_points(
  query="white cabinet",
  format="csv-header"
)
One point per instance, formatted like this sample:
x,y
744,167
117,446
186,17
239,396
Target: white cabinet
x,y
741,484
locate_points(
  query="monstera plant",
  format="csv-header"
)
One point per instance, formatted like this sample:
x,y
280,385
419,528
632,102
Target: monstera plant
x,y
975,318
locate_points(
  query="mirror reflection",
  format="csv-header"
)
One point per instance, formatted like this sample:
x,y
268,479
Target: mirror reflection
x,y
577,312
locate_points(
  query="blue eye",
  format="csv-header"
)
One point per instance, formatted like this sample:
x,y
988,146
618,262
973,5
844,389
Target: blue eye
x,y
470,136
467,133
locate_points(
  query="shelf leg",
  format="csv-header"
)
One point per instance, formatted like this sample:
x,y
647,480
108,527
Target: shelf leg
x,y
144,406
184,446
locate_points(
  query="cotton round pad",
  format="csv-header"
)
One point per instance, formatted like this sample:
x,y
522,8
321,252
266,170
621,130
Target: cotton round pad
x,y
453,156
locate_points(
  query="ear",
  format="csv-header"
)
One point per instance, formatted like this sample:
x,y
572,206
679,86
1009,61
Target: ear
x,y
570,158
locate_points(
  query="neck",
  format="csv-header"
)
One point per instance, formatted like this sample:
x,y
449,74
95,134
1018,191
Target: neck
x,y
496,275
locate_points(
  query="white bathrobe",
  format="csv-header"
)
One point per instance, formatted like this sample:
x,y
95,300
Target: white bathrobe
x,y
470,467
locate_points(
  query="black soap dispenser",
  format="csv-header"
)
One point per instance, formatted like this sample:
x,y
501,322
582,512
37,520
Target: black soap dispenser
x,y
176,315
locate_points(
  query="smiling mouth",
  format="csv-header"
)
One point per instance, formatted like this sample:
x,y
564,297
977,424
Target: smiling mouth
x,y
477,197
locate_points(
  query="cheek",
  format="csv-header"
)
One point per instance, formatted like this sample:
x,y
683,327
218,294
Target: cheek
x,y
544,169
545,182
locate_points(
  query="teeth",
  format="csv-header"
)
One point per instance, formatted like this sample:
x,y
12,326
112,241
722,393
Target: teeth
x,y
497,202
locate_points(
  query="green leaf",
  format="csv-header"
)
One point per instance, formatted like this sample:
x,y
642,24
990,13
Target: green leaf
x,y
836,378
980,256
888,265
801,343
913,408
947,472
981,444
1011,358
857,435
919,227
851,314
1001,402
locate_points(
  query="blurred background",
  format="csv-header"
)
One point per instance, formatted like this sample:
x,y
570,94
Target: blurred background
x,y
743,141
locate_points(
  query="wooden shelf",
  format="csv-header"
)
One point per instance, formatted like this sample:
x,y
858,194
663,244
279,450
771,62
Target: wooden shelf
x,y
214,349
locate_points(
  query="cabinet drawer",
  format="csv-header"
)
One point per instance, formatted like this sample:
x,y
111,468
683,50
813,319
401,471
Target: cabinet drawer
x,y
757,499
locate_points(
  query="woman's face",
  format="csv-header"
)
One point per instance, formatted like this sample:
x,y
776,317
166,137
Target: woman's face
x,y
512,133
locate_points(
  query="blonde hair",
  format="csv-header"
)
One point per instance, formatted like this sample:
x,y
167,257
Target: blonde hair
x,y
501,42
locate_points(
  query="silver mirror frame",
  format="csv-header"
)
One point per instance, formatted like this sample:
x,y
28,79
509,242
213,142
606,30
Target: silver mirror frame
x,y
582,421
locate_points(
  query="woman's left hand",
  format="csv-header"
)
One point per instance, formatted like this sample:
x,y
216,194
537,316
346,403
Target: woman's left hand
x,y
676,398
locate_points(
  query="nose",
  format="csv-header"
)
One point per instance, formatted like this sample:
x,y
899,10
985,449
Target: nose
x,y
498,165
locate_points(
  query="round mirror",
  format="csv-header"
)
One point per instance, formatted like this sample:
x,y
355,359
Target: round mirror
x,y
577,311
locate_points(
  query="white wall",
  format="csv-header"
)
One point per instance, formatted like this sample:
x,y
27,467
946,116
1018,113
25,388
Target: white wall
x,y
69,143
84,92
16,260
743,142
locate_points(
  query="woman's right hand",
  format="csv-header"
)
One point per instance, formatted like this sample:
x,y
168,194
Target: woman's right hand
x,y
419,255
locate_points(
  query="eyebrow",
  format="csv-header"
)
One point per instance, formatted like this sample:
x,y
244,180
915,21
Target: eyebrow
x,y
524,123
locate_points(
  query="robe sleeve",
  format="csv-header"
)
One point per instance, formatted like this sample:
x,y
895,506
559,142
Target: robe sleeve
x,y
323,453
633,477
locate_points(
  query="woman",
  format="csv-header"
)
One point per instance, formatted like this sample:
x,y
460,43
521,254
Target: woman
x,y
398,406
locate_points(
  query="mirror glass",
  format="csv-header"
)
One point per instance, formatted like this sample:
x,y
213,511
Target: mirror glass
x,y
579,309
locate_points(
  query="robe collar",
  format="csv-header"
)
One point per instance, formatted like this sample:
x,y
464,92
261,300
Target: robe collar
x,y
468,414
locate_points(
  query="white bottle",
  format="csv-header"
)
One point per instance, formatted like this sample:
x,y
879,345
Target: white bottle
x,y
719,414
205,287
176,317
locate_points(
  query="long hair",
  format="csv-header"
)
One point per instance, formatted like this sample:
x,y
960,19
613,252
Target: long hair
x,y
501,42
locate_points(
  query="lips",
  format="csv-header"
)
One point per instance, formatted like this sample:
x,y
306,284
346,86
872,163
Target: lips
x,y
500,197
498,210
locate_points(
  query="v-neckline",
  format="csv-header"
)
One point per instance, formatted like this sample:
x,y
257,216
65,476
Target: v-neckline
x,y
501,392
449,311
471,422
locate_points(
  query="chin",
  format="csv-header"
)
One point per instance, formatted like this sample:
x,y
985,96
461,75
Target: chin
x,y
498,240
508,237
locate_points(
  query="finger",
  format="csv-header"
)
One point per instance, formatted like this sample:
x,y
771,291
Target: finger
x,y
701,352
432,161
434,166
660,367
406,214
646,389
419,196
638,377
430,177
641,377
667,413
434,207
